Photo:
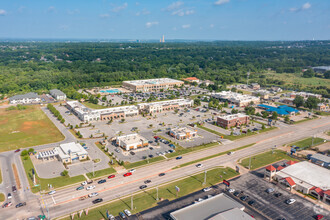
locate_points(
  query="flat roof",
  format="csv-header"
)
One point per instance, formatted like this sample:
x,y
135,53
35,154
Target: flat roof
x,y
231,117
152,81
321,157
308,173
231,214
73,148
208,208
132,138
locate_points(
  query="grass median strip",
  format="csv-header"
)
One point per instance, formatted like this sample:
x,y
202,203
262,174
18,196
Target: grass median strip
x,y
308,142
2,197
100,173
0,176
212,156
43,183
128,165
147,198
263,159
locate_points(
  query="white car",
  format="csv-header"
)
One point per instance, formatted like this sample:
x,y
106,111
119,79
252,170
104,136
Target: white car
x,y
231,190
290,201
231,152
84,183
132,170
207,189
127,212
90,187
199,165
93,194
111,217
52,192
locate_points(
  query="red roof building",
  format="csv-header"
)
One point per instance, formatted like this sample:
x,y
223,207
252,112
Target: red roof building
x,y
279,168
290,181
291,162
271,168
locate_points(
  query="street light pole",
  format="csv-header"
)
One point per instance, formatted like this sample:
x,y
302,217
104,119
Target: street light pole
x,y
132,202
93,169
250,163
204,177
157,193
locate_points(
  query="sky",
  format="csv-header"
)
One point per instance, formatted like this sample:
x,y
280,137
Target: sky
x,y
150,19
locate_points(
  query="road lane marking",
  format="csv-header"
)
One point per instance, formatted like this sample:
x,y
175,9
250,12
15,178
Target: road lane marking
x,y
321,125
53,200
258,142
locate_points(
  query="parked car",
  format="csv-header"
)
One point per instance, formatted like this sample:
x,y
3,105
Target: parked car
x,y
122,215
244,198
270,190
147,181
132,153
143,186
277,194
231,190
111,176
290,201
7,204
161,174
14,188
151,148
20,204
101,181
231,152
18,150
178,158
207,189
52,192
111,217
132,170
93,194
199,165
9,196
251,202
127,212
97,200
84,183
80,188
90,187
127,174
151,156
319,217
236,193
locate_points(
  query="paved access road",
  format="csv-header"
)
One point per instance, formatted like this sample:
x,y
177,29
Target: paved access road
x,y
66,201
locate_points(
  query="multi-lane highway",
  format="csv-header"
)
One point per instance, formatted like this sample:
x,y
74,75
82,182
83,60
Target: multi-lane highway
x,y
66,201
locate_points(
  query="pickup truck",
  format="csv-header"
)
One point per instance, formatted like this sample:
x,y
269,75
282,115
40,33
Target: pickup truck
x,y
83,198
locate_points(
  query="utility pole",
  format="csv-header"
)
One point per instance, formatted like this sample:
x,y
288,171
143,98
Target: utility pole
x,y
313,140
93,169
132,202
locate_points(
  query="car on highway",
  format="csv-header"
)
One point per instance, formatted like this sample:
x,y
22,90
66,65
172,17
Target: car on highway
x,y
80,188
97,201
122,215
127,212
178,158
7,204
231,152
151,156
111,176
251,202
127,174
9,196
290,201
52,192
161,174
132,170
18,150
270,190
101,181
20,204
231,190
318,217
90,187
14,188
143,186
147,181
93,194
207,189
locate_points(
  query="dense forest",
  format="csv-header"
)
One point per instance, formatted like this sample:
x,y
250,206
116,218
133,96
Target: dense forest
x,y
41,66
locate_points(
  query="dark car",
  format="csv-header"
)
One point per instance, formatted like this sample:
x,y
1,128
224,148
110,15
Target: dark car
x,y
236,193
277,194
122,215
144,157
18,150
244,198
151,156
80,188
131,152
151,148
251,202
178,158
143,186
162,174
97,200
147,181
14,189
20,204
101,181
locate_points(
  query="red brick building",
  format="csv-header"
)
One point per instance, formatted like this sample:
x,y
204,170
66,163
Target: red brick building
x,y
234,120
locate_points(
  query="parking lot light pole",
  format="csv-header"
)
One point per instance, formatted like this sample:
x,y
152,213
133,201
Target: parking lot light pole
x,y
204,177
93,169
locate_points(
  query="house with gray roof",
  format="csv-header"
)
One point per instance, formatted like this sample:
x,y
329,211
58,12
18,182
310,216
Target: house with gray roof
x,y
27,98
57,94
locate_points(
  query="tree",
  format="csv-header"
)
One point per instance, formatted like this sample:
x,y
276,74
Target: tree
x,y
312,102
327,74
234,111
64,173
31,150
265,114
286,118
274,115
62,120
24,153
309,73
298,101
263,127
197,102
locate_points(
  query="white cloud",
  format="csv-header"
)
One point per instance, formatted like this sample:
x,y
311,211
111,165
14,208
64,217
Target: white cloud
x,y
51,9
119,8
174,6
2,12
143,12
185,26
190,12
72,12
221,2
293,9
104,15
181,12
305,6
151,23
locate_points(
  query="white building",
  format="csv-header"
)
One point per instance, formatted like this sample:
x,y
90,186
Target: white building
x,y
86,114
70,152
236,98
183,133
157,107
27,98
57,94
131,142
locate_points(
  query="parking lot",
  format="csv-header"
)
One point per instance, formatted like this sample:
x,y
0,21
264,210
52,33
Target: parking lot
x,y
254,186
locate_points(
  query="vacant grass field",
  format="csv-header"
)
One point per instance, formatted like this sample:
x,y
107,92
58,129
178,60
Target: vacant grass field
x,y
263,159
147,199
56,182
2,197
100,173
26,128
307,142
0,176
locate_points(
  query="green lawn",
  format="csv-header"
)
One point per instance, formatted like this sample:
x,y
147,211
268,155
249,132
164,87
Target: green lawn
x,y
0,176
263,159
212,156
100,173
307,142
26,128
2,197
56,182
232,137
128,165
94,106
147,199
